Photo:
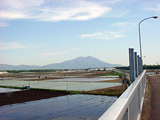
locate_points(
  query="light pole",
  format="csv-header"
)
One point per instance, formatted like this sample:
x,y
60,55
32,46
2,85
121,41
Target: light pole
x,y
155,17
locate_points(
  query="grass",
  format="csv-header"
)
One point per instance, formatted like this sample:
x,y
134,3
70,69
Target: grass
x,y
108,91
114,74
104,93
12,87
111,91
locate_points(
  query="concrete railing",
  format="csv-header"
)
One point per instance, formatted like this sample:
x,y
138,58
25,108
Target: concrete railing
x,y
129,105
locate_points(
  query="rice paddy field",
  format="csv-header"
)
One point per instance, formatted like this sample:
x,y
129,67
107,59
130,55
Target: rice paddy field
x,y
50,97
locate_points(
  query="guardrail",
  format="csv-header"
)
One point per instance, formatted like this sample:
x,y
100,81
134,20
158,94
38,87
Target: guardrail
x,y
129,105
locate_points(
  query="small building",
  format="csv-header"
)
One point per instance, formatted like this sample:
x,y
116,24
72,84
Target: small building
x,y
3,72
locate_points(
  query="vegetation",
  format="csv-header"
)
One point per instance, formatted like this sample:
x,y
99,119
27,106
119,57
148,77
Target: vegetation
x,y
123,68
110,73
12,87
113,91
114,74
144,67
23,71
151,66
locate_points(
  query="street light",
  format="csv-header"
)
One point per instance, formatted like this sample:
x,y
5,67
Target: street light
x,y
155,17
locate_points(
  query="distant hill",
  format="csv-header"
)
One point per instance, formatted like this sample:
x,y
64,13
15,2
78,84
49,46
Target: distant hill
x,y
18,67
78,63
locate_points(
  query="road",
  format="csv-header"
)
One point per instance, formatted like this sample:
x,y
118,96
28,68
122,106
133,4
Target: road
x,y
155,97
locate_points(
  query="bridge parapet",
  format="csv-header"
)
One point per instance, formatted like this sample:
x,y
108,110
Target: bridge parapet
x,y
129,105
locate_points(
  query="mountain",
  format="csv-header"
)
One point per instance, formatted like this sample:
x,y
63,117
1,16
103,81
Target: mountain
x,y
78,63
18,67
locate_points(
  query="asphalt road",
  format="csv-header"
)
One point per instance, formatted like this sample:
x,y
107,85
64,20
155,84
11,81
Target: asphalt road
x,y
155,97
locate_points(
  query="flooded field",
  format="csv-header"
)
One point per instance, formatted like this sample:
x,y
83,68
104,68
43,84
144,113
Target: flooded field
x,y
68,107
75,81
3,90
71,107
76,86
83,79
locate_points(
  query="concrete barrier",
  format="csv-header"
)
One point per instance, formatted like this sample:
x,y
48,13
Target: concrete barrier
x,y
129,105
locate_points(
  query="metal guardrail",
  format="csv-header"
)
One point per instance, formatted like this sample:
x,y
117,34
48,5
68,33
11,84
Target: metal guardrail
x,y
129,105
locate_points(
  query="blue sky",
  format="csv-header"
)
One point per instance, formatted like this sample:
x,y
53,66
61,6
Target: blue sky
x,y
40,32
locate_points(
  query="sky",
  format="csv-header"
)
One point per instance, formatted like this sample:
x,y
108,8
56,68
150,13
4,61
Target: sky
x,y
41,32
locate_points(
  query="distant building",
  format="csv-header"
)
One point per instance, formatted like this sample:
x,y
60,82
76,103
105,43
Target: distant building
x,y
3,72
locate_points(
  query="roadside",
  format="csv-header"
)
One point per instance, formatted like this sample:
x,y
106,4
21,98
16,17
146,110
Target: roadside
x,y
145,114
151,104
155,97
111,91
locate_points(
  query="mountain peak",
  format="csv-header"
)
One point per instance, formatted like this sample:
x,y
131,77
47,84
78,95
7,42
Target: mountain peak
x,y
90,57
87,57
81,63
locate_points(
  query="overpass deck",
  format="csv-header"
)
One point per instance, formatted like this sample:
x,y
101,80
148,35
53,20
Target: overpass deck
x,y
155,97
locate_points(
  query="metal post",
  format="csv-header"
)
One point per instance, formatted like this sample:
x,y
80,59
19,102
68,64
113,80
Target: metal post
x,y
67,85
139,64
136,64
29,85
140,39
132,64
155,17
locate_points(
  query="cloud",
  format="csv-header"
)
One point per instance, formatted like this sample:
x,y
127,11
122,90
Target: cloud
x,y
51,54
11,15
3,24
11,45
44,10
107,35
21,4
118,13
123,24
114,1
156,9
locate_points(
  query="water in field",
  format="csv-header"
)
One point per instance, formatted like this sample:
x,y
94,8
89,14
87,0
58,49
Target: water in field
x,y
71,107
4,90
64,82
76,86
6,78
97,79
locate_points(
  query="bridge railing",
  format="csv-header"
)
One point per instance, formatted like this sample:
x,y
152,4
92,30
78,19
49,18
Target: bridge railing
x,y
129,105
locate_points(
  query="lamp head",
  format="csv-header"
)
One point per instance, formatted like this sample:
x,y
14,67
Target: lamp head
x,y
155,17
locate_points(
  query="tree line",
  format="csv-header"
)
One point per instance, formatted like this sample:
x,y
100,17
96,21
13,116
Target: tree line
x,y
144,67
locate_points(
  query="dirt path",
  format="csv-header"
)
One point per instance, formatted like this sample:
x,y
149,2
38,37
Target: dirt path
x,y
146,103
27,95
155,97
